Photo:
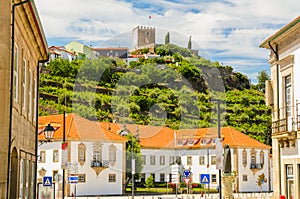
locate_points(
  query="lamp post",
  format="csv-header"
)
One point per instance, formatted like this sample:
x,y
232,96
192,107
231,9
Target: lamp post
x,y
137,135
49,132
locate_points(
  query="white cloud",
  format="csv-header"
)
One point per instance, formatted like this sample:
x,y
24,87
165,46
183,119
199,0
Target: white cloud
x,y
232,28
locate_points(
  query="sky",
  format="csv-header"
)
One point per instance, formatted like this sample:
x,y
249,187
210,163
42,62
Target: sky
x,y
227,31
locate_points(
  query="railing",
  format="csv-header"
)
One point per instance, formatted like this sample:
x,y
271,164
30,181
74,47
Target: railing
x,y
287,123
256,166
98,163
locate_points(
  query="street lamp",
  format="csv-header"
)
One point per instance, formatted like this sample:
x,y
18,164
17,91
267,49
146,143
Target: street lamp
x,y
137,137
48,132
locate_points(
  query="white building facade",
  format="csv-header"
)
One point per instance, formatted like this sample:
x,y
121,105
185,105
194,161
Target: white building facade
x,y
95,155
282,94
249,158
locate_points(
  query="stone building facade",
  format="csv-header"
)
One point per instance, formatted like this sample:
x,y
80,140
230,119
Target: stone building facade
x,y
23,48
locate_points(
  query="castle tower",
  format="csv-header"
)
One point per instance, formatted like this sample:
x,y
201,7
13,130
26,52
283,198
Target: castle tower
x,y
143,37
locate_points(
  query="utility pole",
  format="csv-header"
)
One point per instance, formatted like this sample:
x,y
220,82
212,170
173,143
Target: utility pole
x,y
219,136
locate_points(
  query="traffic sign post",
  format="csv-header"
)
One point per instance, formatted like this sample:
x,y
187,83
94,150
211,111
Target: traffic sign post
x,y
186,173
73,179
204,178
47,181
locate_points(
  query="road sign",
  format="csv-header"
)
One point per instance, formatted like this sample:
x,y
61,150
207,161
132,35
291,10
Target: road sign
x,y
186,173
73,179
187,180
47,181
204,178
175,174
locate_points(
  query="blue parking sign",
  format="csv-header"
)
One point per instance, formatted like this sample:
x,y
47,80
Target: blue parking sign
x,y
204,178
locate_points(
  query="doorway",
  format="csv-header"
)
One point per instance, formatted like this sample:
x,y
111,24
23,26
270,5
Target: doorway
x,y
14,174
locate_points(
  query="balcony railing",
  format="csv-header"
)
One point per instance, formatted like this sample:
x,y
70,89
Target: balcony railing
x,y
256,166
98,163
284,125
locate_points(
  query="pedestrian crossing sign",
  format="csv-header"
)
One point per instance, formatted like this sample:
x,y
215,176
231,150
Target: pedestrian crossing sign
x,y
47,181
204,178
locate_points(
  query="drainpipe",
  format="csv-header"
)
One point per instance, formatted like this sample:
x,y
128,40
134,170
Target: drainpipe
x,y
11,91
275,51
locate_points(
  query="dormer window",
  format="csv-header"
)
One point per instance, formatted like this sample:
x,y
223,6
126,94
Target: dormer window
x,y
179,142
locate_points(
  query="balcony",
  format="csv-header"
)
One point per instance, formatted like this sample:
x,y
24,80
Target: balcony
x,y
99,166
256,166
285,125
98,163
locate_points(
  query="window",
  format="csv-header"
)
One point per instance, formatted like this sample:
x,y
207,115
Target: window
x,y
143,177
153,176
16,73
262,157
245,178
162,160
143,159
30,94
202,160
288,100
161,177
190,142
289,171
189,160
55,156
32,178
42,156
27,179
54,173
112,153
97,155
203,141
111,177
22,178
171,160
244,157
152,159
253,159
179,142
24,84
178,160
81,153
213,178
34,99
81,178
213,160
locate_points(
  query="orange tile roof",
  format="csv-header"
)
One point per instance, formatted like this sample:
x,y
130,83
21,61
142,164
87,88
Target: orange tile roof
x,y
79,128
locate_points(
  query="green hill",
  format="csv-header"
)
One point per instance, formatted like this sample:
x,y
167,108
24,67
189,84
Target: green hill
x,y
174,89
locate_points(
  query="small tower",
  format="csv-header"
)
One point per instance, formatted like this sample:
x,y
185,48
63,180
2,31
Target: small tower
x,y
143,37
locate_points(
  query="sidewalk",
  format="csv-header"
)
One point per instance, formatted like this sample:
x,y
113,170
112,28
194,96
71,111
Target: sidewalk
x,y
185,196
